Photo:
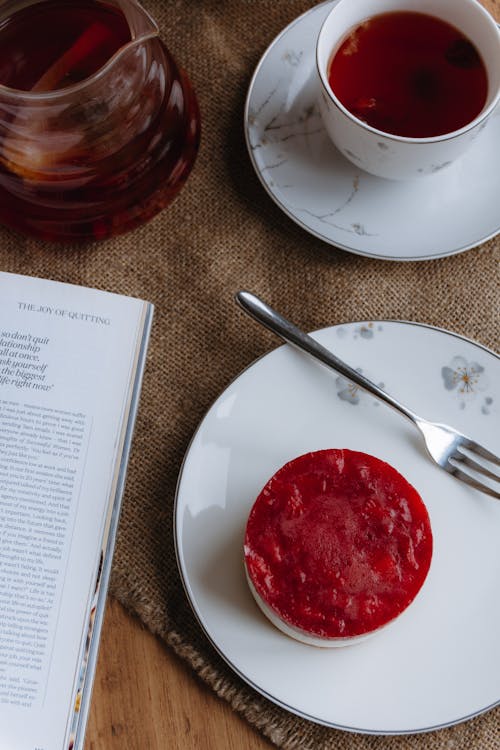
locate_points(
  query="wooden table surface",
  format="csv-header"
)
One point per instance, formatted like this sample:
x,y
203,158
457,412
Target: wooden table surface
x,y
146,699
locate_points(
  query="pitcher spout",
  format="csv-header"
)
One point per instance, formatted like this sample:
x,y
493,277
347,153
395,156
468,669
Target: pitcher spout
x,y
142,25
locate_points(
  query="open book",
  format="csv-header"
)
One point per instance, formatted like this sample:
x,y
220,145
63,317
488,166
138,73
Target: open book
x,y
71,364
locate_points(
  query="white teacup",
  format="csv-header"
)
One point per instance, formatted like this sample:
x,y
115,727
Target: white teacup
x,y
393,156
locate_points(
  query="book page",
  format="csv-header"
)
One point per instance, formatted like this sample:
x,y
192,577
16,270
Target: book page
x,y
67,357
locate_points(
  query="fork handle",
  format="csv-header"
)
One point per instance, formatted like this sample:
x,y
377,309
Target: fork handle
x,y
289,332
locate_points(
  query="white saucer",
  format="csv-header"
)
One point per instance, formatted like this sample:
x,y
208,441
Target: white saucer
x,y
439,215
439,663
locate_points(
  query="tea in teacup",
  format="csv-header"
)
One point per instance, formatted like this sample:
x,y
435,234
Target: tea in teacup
x,y
410,74
406,86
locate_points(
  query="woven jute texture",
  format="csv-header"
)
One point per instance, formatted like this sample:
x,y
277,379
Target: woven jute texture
x,y
221,234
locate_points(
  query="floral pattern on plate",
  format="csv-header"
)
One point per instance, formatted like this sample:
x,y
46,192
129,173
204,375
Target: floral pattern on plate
x,y
466,379
365,330
353,393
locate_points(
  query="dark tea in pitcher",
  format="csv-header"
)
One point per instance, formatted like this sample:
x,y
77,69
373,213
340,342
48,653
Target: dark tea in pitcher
x,y
409,74
99,129
83,37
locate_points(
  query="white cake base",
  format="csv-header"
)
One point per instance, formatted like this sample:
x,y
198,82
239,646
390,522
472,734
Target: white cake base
x,y
302,635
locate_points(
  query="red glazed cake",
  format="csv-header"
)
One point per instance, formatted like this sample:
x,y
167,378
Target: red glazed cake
x,y
337,545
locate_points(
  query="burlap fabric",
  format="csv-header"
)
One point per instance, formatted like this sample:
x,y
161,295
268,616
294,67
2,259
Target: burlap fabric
x,y
223,233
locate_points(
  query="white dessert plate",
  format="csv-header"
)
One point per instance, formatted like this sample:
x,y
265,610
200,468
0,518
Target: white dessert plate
x,y
439,662
438,215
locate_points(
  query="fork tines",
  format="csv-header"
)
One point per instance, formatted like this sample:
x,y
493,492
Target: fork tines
x,y
482,474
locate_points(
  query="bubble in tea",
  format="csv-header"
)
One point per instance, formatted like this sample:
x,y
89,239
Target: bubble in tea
x,y
409,74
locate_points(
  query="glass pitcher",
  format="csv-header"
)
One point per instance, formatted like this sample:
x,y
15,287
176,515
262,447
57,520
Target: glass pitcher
x,y
84,155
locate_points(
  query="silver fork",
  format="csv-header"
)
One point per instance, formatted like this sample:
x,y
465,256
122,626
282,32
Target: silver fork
x,y
452,451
